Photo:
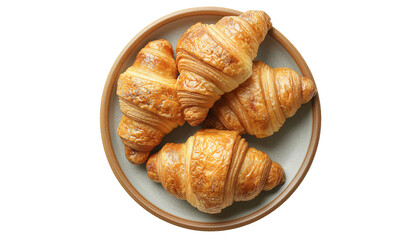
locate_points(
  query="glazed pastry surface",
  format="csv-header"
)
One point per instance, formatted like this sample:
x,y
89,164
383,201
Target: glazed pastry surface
x,y
213,169
261,104
216,58
148,100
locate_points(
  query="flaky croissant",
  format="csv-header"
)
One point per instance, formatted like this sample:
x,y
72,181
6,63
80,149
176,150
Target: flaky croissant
x,y
216,58
148,100
213,169
262,103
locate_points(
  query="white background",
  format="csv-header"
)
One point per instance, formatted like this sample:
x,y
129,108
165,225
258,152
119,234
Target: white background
x,y
55,181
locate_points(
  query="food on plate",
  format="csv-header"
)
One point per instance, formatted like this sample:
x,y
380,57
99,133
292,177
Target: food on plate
x,y
216,58
213,169
260,105
148,100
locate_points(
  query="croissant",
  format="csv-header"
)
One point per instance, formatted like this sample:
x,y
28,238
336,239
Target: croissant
x,y
213,169
148,100
215,59
262,103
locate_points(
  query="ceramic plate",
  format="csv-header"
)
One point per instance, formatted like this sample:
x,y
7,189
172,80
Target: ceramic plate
x,y
293,146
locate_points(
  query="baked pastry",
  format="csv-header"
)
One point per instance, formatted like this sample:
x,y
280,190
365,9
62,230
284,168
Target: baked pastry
x,y
148,99
213,169
262,103
214,59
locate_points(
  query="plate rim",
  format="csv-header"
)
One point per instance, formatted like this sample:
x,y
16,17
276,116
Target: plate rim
x,y
146,204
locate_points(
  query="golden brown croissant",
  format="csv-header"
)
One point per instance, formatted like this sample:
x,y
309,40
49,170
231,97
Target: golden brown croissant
x,y
148,100
214,59
213,169
262,103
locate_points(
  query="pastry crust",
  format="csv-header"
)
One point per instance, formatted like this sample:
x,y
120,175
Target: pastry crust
x,y
214,59
148,100
261,104
213,169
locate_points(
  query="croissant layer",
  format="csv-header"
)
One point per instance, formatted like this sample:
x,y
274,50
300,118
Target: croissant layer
x,y
148,100
261,105
213,169
214,59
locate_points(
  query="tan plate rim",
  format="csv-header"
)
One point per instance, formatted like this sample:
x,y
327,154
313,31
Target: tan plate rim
x,y
112,159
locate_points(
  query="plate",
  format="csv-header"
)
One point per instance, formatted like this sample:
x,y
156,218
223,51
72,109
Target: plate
x,y
294,146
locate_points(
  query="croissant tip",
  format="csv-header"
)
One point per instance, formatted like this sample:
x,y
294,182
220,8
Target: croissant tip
x,y
136,157
265,17
195,115
162,45
276,177
309,89
151,167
